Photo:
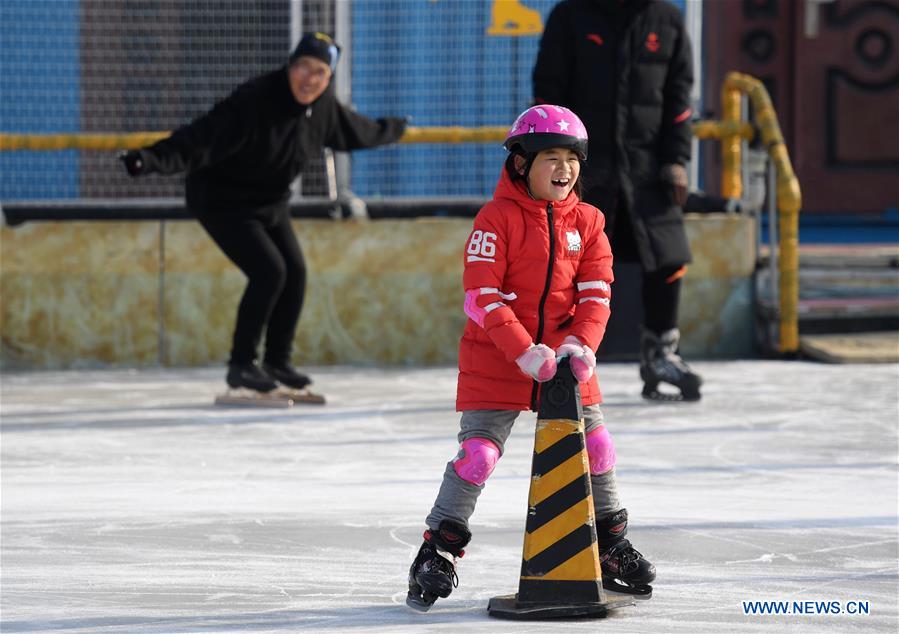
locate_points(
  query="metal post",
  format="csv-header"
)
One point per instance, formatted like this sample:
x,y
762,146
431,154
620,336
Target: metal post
x,y
744,146
161,352
296,32
693,20
330,172
296,22
773,251
343,33
757,214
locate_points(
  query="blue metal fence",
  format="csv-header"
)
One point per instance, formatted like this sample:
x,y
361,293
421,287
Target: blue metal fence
x,y
447,63
438,62
443,62
39,92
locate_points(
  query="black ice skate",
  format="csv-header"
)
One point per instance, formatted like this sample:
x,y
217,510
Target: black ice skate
x,y
294,385
660,363
249,376
286,375
433,573
623,568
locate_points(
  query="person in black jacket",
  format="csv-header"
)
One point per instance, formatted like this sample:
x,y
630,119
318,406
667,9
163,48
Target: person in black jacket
x,y
240,159
625,67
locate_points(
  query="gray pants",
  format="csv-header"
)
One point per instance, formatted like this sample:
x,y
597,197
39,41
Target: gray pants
x,y
457,497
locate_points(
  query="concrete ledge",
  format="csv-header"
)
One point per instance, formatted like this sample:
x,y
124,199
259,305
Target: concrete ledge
x,y
863,347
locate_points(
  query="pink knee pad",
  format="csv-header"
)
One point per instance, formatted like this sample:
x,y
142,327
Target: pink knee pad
x,y
601,450
476,460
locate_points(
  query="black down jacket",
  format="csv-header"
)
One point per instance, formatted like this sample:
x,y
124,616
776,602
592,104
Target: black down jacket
x,y
625,67
242,155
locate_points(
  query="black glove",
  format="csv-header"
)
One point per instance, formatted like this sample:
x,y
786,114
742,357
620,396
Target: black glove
x,y
675,177
133,161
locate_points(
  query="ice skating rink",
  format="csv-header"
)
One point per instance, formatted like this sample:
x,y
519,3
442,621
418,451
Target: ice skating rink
x,y
131,504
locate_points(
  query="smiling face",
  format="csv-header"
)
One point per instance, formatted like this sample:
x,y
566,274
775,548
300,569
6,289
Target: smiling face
x,y
309,78
553,173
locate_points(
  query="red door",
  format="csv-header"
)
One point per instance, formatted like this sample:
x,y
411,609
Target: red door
x,y
832,67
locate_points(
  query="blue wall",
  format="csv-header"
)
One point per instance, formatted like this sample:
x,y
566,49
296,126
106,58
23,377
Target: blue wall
x,y
39,92
435,61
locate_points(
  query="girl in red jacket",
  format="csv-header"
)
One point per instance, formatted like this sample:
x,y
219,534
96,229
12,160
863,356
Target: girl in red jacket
x,y
538,269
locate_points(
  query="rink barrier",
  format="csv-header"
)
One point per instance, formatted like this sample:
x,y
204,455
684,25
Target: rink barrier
x,y
732,131
560,571
147,310
146,292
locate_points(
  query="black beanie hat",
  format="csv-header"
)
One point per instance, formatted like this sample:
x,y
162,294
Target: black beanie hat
x,y
317,45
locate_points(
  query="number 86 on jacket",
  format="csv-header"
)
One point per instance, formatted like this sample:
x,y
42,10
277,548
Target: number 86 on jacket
x,y
481,246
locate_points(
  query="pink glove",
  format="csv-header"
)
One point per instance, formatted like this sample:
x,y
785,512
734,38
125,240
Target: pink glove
x,y
582,359
538,362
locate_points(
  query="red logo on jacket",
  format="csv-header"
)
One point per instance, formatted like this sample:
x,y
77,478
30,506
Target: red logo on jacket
x,y
596,39
652,42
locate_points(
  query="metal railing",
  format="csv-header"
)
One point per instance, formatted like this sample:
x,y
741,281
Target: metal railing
x,y
135,140
732,130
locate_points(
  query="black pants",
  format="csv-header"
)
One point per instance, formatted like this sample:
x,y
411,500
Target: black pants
x,y
660,289
267,252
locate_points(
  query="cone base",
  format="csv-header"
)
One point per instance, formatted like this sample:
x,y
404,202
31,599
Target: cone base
x,y
508,607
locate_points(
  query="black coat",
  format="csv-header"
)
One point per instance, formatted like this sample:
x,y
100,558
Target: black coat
x,y
626,69
241,156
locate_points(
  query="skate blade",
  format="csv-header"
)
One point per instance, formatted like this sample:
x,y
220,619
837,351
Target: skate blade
x,y
301,396
668,397
639,592
242,397
418,604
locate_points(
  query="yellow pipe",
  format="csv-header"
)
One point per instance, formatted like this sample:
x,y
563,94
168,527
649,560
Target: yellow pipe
x,y
454,135
79,141
789,198
706,129
142,139
101,141
731,153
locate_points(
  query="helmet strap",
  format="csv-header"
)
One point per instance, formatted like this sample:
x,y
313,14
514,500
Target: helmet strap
x,y
527,173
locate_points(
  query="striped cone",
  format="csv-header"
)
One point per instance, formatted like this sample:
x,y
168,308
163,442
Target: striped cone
x,y
560,572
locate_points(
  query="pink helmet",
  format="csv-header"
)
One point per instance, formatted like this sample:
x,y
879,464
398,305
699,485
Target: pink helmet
x,y
546,126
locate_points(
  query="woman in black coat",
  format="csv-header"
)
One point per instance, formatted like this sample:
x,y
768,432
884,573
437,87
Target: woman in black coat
x,y
625,67
240,159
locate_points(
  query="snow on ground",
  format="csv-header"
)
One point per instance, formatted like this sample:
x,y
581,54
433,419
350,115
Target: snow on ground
x,y
130,504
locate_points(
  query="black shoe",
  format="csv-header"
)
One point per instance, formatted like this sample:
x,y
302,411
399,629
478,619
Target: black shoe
x,y
250,376
433,573
660,363
623,568
286,375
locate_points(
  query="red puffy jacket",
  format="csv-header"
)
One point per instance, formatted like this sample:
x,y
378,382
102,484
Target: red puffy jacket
x,y
535,272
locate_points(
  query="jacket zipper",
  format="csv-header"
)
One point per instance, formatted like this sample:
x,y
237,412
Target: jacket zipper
x,y
549,277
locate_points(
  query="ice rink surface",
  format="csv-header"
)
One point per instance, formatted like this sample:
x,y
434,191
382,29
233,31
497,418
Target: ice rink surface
x,y
131,504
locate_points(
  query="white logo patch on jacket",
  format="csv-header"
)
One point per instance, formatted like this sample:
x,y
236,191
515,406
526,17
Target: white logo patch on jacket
x,y
574,241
